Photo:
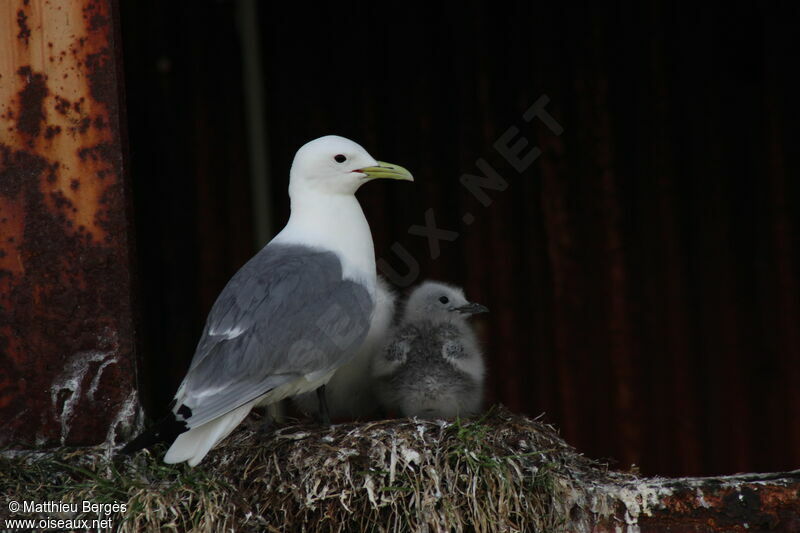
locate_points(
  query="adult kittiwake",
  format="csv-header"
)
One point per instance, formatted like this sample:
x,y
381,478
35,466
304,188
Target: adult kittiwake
x,y
293,314
432,366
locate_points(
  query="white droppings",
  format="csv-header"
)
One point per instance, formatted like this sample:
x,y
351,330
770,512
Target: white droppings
x,y
639,499
434,475
96,379
393,462
701,499
369,484
630,519
70,381
129,419
410,456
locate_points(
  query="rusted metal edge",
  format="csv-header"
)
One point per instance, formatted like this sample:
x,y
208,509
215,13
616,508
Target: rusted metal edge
x,y
748,502
67,368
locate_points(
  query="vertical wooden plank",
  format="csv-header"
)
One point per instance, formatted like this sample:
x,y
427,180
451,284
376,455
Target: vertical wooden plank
x,y
782,315
672,385
67,370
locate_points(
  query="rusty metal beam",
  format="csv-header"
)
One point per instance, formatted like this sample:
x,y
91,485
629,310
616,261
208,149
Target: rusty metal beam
x,y
746,502
67,369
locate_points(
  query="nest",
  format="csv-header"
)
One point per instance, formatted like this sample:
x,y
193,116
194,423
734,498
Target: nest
x,y
500,472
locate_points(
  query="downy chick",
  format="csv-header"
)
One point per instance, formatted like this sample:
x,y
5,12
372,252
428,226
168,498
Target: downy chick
x,y
432,366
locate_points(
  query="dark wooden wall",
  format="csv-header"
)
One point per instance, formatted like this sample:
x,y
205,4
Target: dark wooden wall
x,y
189,173
642,273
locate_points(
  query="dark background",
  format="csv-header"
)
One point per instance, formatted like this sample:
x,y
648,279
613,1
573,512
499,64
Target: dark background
x,y
642,274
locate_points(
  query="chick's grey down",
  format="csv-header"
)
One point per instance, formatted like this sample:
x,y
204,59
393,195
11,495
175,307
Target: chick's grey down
x,y
432,366
291,315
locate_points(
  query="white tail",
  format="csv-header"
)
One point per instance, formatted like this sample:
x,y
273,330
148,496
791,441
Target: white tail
x,y
193,445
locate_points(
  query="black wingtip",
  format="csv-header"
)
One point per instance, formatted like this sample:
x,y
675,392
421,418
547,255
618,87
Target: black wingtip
x,y
166,430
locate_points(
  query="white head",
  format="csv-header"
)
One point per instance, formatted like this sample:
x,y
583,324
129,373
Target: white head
x,y
440,301
335,165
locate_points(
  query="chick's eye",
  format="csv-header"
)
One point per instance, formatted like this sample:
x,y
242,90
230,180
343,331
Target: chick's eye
x,y
340,158
444,299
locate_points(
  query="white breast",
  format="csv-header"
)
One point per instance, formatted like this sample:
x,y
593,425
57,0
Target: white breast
x,y
335,223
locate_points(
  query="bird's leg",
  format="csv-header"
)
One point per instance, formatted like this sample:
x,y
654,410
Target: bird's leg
x,y
324,415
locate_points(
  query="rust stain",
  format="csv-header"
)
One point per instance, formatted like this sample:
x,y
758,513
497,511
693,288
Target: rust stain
x,y
760,506
31,101
706,504
64,256
52,131
24,31
62,105
608,501
98,19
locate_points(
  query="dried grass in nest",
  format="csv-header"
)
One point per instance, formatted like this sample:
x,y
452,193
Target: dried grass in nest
x,y
501,472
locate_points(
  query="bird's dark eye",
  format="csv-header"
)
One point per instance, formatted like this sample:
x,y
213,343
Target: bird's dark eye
x,y
340,158
444,299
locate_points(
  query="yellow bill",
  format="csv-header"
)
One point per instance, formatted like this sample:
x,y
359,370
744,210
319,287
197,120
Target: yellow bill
x,y
388,170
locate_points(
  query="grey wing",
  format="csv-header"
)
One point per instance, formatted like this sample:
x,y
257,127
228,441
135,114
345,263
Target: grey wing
x,y
447,341
286,314
398,348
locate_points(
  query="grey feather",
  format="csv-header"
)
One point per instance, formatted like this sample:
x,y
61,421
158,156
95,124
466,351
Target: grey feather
x,y
432,365
349,392
286,314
